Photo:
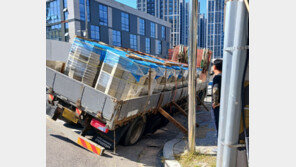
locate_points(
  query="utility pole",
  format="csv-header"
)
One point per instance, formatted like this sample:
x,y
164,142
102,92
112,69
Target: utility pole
x,y
85,12
192,73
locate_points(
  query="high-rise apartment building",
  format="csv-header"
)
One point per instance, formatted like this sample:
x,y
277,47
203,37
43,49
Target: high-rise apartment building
x,y
215,21
169,10
110,22
184,22
201,31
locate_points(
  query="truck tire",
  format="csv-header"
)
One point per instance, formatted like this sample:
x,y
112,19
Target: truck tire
x,y
152,124
134,132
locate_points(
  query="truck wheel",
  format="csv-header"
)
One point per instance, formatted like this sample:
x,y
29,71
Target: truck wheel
x,y
134,132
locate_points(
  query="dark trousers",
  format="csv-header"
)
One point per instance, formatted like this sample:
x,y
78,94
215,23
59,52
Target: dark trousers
x,y
216,115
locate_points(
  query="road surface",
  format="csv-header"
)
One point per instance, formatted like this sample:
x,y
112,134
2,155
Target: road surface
x,y
147,152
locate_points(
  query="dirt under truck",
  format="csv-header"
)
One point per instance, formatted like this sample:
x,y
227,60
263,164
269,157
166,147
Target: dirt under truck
x,y
106,121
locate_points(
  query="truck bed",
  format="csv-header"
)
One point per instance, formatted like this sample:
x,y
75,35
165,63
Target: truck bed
x,y
103,106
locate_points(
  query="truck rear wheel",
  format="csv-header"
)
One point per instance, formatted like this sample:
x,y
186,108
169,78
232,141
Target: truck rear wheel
x,y
134,132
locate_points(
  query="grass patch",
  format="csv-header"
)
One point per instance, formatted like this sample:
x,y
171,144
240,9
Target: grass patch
x,y
196,160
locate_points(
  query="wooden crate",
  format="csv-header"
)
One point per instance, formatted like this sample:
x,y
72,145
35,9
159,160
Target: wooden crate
x,y
160,81
185,78
150,83
119,82
180,79
170,79
83,65
56,65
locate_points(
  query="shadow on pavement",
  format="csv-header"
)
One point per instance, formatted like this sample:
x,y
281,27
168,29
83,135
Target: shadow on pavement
x,y
147,151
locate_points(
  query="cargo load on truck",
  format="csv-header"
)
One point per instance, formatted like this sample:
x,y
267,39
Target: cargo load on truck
x,y
121,73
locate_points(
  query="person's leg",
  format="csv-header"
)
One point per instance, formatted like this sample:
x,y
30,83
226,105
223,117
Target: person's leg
x,y
216,114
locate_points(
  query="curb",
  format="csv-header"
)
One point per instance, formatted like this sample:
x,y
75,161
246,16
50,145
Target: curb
x,y
171,163
168,152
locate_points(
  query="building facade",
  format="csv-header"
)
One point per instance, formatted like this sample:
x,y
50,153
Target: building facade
x,y
168,10
215,21
184,22
110,22
201,31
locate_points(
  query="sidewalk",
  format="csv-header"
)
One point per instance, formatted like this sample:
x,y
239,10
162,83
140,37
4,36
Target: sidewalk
x,y
206,138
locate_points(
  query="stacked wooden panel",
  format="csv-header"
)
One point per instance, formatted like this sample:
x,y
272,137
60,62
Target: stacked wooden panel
x,y
122,73
121,77
84,61
179,77
160,79
170,78
56,65
184,77
150,83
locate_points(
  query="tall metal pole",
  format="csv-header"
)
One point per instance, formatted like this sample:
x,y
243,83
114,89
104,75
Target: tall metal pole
x,y
192,73
234,99
85,12
230,17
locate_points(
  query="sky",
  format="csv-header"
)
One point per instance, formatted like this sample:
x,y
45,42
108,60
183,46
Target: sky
x,y
133,3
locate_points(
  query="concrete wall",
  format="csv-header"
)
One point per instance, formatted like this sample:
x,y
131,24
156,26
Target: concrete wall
x,y
57,50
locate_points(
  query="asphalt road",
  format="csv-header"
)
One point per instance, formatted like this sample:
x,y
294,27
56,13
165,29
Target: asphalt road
x,y
62,152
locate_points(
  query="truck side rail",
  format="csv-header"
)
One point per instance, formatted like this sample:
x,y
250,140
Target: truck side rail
x,y
92,101
95,102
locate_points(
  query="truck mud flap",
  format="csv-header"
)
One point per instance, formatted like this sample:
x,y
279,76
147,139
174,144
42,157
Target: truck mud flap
x,y
75,137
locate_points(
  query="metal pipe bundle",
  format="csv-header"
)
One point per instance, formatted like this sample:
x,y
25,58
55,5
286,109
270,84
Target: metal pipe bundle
x,y
236,21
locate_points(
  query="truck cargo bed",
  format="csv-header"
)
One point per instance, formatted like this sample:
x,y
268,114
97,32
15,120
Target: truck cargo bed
x,y
103,106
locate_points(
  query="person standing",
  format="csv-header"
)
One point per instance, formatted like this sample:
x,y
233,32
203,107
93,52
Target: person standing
x,y
217,69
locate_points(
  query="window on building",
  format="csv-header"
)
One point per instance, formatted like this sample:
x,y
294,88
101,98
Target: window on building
x,y
95,32
142,26
82,11
152,30
116,36
158,47
133,42
65,3
66,13
124,21
54,32
162,32
211,18
218,17
103,15
147,44
53,11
